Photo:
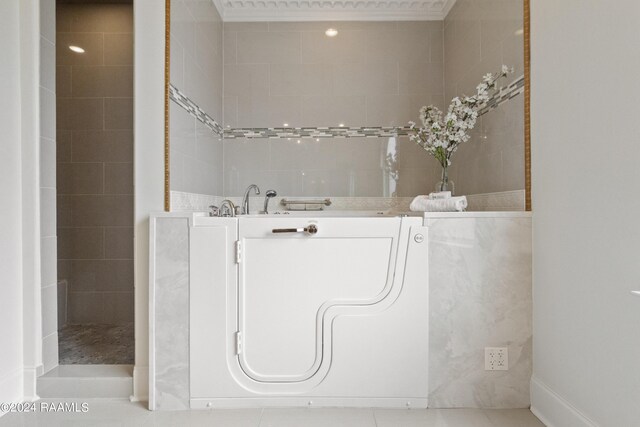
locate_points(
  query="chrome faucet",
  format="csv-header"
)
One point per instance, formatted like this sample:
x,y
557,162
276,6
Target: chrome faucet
x,y
227,208
268,195
245,199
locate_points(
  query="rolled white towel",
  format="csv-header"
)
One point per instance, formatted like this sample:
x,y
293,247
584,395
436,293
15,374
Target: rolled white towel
x,y
440,195
424,204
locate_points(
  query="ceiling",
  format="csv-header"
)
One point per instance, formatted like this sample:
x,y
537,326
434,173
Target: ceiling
x,y
333,10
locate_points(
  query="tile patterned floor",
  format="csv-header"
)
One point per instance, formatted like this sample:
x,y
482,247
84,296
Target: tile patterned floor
x,y
121,413
93,344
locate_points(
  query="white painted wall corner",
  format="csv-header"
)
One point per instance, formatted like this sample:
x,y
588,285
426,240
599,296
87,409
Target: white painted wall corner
x,y
554,410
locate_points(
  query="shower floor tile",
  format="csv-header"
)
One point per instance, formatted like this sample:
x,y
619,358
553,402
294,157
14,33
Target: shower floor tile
x,y
95,344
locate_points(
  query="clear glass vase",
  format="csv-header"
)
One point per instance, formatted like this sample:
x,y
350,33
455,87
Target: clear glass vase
x,y
445,184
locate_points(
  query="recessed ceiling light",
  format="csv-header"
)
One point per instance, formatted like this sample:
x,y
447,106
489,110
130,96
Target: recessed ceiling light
x,y
76,49
331,32
519,32
298,141
286,125
341,125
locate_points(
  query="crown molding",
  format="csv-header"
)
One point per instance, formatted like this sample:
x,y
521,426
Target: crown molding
x,y
332,10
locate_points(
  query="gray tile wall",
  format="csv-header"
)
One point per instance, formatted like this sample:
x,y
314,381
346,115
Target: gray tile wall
x,y
371,74
480,36
94,161
196,70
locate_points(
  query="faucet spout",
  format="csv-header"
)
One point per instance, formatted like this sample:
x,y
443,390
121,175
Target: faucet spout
x,y
245,199
227,208
269,194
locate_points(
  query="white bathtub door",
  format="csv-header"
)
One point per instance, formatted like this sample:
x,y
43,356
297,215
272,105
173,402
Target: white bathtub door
x,y
289,281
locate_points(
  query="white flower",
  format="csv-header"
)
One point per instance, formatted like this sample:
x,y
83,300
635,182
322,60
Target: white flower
x,y
441,134
507,70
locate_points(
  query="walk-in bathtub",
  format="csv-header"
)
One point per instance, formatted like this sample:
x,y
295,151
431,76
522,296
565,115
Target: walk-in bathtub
x,y
308,309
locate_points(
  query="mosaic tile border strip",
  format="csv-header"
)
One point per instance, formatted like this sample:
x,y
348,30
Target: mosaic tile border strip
x,y
514,89
192,108
317,132
505,94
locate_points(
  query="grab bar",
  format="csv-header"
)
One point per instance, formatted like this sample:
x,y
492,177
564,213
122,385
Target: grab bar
x,y
311,229
326,202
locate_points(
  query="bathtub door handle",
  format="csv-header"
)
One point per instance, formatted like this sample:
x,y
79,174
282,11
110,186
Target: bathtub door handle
x,y
311,229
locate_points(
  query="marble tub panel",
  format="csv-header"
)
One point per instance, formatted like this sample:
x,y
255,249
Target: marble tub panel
x,y
480,296
171,289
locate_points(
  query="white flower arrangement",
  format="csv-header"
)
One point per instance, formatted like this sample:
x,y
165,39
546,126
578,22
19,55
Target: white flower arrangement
x,y
441,136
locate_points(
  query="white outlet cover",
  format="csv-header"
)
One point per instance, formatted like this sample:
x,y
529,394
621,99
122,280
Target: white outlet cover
x,y
496,359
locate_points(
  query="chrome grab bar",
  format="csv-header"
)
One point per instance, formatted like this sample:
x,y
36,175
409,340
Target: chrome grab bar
x,y
326,202
311,230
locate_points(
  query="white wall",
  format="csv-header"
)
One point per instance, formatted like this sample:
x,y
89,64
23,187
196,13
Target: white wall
x,y
11,374
149,45
586,204
48,247
29,105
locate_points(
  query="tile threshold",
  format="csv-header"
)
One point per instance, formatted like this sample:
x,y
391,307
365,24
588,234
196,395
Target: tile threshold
x,y
87,381
90,371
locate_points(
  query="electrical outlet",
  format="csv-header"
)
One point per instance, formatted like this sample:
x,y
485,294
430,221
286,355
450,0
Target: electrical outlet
x,y
496,359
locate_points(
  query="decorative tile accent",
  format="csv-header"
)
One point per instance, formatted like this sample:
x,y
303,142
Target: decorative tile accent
x,y
505,94
192,108
317,132
514,89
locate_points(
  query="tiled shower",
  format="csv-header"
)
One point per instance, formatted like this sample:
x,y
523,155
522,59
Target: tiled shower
x,y
95,181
